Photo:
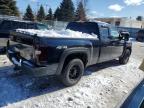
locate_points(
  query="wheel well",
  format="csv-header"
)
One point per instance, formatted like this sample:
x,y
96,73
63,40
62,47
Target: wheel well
x,y
81,56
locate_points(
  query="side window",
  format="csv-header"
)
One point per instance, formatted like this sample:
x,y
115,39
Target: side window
x,y
104,32
114,33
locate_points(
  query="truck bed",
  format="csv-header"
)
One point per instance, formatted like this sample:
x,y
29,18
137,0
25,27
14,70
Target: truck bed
x,y
57,34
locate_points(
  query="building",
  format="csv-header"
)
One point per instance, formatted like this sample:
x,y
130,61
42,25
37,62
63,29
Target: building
x,y
122,22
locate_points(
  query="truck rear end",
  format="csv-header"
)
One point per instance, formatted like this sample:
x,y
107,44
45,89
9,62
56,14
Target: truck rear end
x,y
63,53
31,55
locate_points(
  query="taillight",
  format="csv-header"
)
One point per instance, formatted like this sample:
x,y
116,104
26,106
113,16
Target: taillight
x,y
37,52
40,54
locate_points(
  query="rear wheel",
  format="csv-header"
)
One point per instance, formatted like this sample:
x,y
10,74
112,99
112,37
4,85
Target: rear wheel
x,y
72,73
125,58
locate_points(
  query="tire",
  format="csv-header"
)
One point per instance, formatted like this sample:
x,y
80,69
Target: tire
x,y
125,58
72,73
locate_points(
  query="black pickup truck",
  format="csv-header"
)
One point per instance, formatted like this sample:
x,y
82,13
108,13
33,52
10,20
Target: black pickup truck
x,y
67,58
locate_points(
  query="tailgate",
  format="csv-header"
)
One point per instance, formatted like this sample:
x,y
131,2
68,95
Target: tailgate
x,y
22,50
22,45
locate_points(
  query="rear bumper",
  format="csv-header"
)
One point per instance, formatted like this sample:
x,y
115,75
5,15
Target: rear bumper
x,y
31,69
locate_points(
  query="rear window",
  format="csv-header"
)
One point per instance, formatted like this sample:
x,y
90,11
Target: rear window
x,y
86,27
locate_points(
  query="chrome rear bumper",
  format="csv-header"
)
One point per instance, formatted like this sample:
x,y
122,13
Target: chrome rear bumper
x,y
31,69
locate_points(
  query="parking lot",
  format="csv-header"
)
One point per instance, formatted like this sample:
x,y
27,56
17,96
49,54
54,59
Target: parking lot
x,y
102,86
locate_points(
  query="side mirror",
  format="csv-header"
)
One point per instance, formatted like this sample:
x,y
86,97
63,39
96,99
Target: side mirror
x,y
125,35
121,37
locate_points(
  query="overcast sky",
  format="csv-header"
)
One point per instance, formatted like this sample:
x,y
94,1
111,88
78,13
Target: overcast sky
x,y
96,8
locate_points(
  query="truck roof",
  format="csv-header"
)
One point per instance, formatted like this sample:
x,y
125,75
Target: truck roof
x,y
99,23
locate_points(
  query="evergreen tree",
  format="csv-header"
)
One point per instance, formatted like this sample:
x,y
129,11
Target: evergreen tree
x,y
29,14
8,7
139,18
66,11
57,14
50,15
80,12
13,7
41,14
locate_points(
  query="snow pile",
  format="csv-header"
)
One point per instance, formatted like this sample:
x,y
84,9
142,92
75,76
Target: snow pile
x,y
102,86
54,33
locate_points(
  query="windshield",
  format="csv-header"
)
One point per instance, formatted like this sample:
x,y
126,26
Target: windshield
x,y
42,27
86,27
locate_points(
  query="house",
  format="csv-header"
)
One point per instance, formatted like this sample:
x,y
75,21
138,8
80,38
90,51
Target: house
x,y
122,22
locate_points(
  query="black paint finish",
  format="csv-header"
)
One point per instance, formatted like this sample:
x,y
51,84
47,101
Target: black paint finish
x,y
56,50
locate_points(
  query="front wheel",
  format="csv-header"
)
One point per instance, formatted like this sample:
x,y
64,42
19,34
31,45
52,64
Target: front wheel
x,y
72,73
125,58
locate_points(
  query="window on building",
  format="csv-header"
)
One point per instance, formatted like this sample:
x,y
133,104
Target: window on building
x,y
117,23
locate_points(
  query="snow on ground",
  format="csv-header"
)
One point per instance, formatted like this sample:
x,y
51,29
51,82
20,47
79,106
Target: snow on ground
x,y
60,34
102,86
